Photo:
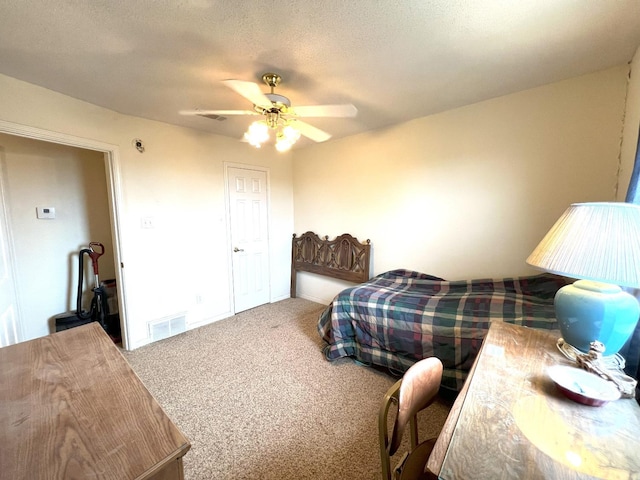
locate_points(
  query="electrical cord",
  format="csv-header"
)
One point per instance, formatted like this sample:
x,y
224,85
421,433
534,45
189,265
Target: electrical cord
x,y
609,368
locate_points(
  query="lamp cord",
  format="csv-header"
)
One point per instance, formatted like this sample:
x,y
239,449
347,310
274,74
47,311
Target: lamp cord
x,y
609,368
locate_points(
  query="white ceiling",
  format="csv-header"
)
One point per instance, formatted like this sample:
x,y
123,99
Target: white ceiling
x,y
394,60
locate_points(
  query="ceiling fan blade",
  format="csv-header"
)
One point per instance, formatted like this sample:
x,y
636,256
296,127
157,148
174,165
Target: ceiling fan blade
x,y
217,112
310,131
346,110
249,90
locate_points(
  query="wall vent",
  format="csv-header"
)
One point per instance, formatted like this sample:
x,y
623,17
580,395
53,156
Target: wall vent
x,y
167,327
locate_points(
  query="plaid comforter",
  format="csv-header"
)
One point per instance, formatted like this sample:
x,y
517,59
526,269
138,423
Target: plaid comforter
x,y
401,316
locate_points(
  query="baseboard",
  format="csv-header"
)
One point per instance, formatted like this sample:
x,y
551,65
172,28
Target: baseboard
x,y
209,320
279,298
311,298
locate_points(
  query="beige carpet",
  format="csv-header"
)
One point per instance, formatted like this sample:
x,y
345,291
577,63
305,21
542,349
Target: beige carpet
x,y
257,399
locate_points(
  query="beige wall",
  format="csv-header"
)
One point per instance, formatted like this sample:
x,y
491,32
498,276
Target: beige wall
x,y
179,182
465,193
631,127
41,174
469,192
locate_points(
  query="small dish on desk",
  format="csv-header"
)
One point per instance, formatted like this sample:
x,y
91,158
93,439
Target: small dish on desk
x,y
582,386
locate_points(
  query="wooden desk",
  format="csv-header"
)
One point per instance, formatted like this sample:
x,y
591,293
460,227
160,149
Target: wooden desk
x,y
510,421
72,408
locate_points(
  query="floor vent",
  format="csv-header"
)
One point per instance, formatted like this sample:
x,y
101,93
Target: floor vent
x,y
167,327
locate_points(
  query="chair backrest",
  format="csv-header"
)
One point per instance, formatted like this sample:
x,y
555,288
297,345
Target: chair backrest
x,y
416,391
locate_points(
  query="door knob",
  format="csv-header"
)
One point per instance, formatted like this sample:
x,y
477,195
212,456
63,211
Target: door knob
x,y
236,249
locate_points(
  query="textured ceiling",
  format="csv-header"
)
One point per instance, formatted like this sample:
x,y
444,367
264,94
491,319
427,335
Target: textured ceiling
x,y
394,60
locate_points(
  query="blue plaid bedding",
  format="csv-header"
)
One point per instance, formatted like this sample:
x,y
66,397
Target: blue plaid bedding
x,y
402,316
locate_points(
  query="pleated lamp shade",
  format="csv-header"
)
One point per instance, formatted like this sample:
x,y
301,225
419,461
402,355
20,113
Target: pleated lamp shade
x,y
598,243
593,241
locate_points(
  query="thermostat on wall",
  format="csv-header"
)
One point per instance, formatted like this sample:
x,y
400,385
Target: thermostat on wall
x,y
46,212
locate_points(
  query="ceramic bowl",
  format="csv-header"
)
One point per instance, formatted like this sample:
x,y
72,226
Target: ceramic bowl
x,y
582,386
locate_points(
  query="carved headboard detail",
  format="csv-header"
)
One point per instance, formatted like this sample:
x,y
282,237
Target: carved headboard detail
x,y
344,258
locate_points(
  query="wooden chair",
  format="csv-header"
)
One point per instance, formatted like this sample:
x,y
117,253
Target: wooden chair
x,y
416,390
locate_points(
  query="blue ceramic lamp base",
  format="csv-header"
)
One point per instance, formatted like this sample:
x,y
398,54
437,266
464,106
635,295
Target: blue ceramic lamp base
x,y
588,311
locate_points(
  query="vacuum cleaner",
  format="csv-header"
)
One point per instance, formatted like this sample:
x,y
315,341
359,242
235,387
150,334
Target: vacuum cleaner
x,y
99,308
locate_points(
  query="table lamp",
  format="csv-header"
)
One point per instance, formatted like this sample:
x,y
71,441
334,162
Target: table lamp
x,y
599,244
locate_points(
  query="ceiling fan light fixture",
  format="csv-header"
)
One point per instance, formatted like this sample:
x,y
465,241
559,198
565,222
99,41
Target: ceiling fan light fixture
x,y
272,118
257,134
291,134
282,144
286,137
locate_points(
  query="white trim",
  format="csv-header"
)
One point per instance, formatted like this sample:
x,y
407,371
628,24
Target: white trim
x,y
227,228
5,229
112,166
54,137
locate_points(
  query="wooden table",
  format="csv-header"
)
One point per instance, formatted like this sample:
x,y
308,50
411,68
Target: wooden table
x,y
71,407
510,421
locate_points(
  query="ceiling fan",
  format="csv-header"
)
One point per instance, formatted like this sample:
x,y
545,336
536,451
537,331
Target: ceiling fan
x,y
278,114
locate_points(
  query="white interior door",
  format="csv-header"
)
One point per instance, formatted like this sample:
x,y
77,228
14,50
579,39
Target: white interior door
x,y
248,215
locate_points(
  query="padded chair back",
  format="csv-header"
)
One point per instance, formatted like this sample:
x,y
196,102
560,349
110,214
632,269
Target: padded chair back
x,y
416,391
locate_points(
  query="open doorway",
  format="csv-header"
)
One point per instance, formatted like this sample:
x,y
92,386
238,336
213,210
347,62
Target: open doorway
x,y
95,212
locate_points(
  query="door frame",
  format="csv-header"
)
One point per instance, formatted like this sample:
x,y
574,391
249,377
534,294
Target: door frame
x,y
17,332
114,187
227,202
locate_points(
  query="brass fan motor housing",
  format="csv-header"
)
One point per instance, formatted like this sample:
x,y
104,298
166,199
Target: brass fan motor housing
x,y
272,79
281,104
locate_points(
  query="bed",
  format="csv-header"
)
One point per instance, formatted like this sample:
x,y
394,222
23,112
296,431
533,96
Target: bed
x,y
401,316
344,258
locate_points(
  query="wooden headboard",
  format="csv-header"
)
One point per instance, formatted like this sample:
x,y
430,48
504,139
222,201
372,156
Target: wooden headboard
x,y
344,258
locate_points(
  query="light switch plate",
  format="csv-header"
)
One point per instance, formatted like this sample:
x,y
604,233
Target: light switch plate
x,y
46,212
